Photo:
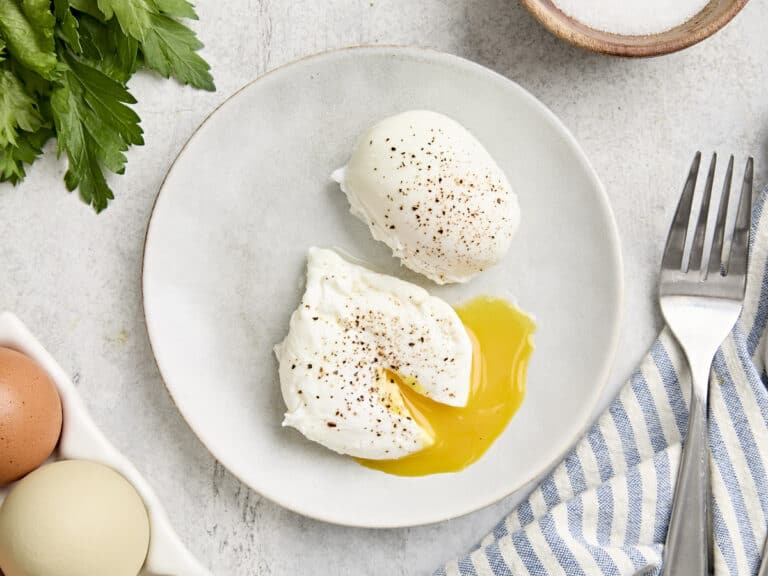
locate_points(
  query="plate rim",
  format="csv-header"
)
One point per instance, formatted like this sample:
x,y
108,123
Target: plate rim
x,y
618,295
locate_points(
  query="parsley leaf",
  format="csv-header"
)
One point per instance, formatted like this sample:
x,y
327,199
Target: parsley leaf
x,y
29,39
94,127
107,48
167,46
170,49
134,16
88,7
67,30
12,158
35,85
64,66
18,110
179,8
38,12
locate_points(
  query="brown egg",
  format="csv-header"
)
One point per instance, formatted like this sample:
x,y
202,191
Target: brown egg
x,y
30,415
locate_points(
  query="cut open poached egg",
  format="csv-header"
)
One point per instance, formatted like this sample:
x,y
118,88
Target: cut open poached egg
x,y
353,331
376,368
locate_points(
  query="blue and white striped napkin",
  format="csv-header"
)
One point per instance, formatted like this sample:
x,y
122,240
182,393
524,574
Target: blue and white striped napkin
x,y
605,508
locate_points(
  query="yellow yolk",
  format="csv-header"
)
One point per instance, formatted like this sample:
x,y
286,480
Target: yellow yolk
x,y
502,345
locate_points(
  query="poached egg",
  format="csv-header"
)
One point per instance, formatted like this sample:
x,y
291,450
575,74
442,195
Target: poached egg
x,y
356,338
376,368
428,189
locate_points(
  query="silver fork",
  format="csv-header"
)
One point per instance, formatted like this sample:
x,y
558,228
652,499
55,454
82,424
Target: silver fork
x,y
701,292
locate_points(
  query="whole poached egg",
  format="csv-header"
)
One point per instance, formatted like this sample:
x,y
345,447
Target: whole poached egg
x,y
376,368
353,333
428,189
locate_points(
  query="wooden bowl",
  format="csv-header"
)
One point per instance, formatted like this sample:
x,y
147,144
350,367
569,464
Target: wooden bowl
x,y
714,16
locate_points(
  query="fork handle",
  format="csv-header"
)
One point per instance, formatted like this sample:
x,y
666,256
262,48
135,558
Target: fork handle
x,y
687,548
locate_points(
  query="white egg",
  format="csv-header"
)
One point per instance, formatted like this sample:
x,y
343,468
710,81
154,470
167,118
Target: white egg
x,y
351,327
429,190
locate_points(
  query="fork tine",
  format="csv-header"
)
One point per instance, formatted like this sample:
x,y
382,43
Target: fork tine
x,y
716,254
675,247
698,248
739,253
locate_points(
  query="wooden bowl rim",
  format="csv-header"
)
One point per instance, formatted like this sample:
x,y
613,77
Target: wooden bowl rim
x,y
617,46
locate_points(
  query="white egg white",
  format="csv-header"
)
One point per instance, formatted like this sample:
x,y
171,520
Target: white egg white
x,y
352,327
428,189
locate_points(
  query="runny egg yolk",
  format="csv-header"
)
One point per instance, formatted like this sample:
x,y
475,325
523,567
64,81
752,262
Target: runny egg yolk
x,y
502,345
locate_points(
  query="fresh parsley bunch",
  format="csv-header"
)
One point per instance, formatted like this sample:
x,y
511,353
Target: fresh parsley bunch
x,y
64,65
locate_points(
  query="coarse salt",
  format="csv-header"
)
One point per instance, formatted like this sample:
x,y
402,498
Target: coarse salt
x,y
632,17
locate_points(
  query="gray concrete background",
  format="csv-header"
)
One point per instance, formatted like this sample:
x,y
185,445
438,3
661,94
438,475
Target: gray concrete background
x,y
74,278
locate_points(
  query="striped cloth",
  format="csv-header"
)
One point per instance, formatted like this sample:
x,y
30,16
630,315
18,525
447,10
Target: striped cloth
x,y
605,508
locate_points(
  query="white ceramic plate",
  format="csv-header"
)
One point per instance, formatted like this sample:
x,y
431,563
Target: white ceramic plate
x,y
82,440
250,192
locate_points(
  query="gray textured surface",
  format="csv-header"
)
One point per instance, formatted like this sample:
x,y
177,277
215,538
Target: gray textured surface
x,y
74,278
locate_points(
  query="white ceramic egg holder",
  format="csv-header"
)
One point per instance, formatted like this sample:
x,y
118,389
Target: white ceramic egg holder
x,y
82,440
